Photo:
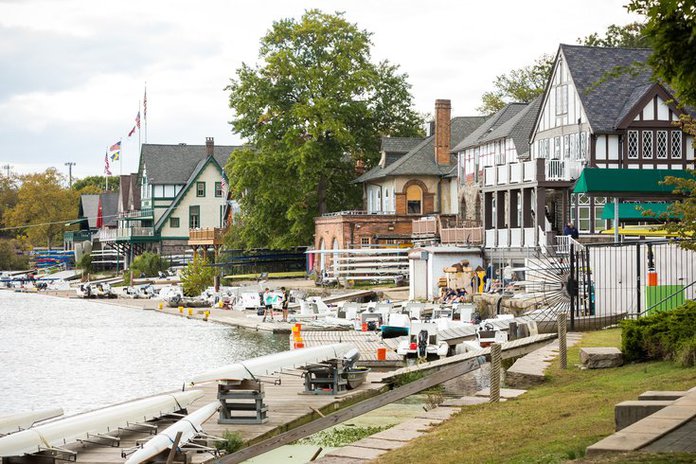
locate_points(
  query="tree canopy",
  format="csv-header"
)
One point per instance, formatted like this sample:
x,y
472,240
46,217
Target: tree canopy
x,y
95,184
43,207
314,106
528,82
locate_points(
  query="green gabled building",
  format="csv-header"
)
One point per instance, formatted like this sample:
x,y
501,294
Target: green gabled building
x,y
178,190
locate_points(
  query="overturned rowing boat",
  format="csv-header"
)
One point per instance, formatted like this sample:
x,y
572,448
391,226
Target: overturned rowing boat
x,y
21,421
189,426
98,423
273,363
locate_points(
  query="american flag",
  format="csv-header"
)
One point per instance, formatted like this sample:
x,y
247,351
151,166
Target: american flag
x,y
145,104
137,120
115,147
223,187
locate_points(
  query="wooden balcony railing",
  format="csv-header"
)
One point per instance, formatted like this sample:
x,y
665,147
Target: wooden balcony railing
x,y
425,226
209,236
461,236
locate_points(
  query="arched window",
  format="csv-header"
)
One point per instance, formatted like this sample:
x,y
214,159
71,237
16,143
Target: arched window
x,y
322,258
414,200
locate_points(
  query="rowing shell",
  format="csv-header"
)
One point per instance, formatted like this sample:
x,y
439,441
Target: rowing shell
x,y
273,363
189,426
101,421
16,422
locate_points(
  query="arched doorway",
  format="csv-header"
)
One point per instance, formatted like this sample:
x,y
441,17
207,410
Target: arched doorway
x,y
414,199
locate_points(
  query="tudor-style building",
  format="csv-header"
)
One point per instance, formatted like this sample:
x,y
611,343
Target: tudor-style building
x,y
415,178
589,117
177,191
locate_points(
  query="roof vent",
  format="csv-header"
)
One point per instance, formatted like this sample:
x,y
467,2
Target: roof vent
x,y
182,144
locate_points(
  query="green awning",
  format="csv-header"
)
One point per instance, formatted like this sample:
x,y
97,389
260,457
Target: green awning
x,y
627,182
635,211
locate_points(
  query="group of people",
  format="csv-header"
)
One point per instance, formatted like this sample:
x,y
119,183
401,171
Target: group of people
x,y
450,295
268,299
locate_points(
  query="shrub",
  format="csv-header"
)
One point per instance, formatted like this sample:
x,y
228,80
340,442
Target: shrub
x,y
149,265
663,335
342,436
230,443
197,276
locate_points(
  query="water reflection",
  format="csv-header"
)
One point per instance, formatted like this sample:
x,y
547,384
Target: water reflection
x,y
80,355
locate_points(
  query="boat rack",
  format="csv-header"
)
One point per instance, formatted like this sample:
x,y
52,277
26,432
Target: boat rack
x,y
327,378
242,402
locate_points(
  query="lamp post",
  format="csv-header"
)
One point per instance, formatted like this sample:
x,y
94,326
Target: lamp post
x,y
70,164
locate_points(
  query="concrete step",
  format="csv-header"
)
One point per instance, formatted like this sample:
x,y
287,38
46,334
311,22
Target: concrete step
x,y
504,392
630,412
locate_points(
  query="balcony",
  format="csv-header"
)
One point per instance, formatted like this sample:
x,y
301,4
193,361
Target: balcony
x,y
563,170
425,226
537,170
127,234
359,212
461,236
210,236
77,236
137,215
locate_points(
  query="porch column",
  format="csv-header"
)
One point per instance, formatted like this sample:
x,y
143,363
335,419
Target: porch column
x,y
540,212
500,214
488,214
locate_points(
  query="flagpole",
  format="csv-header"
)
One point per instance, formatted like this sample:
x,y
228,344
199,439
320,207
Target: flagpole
x,y
145,111
140,145
106,174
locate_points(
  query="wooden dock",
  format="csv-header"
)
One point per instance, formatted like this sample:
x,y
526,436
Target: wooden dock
x,y
367,344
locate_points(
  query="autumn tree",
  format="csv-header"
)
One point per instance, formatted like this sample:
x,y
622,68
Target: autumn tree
x,y
315,105
95,184
8,199
43,207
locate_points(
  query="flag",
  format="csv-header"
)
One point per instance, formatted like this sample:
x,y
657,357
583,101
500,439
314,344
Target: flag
x,y
115,147
137,120
223,187
132,131
115,156
107,171
100,214
145,105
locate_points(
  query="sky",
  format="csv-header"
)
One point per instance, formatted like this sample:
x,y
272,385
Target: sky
x,y
73,72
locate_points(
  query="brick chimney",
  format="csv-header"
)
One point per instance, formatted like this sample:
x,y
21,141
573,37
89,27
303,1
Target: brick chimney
x,y
209,145
443,111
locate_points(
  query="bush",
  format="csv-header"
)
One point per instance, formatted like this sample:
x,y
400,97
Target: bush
x,y
149,265
10,257
86,263
231,442
197,276
663,335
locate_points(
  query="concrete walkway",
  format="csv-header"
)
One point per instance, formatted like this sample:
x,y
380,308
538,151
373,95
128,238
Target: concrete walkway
x,y
671,429
530,369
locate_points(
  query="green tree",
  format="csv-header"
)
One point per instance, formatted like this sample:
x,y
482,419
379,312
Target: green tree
x,y
671,30
43,207
314,106
10,257
526,83
519,85
197,276
8,200
630,36
95,184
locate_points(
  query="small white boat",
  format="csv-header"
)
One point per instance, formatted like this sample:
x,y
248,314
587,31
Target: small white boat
x,y
422,342
94,423
189,426
21,421
273,363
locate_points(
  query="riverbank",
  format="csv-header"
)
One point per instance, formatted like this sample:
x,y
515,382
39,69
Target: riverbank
x,y
553,422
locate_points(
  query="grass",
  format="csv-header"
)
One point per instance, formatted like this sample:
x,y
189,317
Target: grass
x,y
341,436
550,423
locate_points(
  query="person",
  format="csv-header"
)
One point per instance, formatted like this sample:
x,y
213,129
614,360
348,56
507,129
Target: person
x,y
570,230
268,305
284,304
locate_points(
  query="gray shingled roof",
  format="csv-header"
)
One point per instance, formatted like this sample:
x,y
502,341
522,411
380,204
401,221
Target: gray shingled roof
x,y
499,118
519,127
399,144
110,208
124,189
605,101
89,206
420,160
173,164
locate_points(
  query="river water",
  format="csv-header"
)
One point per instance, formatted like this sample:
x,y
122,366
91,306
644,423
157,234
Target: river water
x,y
80,355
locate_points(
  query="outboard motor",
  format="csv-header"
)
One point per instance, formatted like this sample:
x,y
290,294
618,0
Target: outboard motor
x,y
350,358
422,343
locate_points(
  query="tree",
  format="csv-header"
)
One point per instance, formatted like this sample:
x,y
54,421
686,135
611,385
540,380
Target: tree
x,y
519,85
8,199
314,106
43,207
670,29
526,83
10,257
197,276
630,36
96,184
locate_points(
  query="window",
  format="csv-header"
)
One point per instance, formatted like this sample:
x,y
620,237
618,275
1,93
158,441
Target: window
x,y
632,144
364,241
218,189
661,144
647,144
556,148
414,200
561,99
599,223
194,217
200,189
676,145
566,147
174,222
583,213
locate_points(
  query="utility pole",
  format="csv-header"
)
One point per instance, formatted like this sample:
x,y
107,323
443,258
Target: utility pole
x,y
70,164
7,168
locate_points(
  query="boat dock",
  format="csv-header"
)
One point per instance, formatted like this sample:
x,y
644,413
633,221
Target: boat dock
x,y
290,409
367,344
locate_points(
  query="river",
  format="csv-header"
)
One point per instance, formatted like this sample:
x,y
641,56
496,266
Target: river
x,y
80,355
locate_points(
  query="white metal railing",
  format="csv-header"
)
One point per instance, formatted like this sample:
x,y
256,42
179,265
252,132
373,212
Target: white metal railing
x,y
502,174
563,169
358,212
515,173
563,243
110,235
529,168
136,214
489,175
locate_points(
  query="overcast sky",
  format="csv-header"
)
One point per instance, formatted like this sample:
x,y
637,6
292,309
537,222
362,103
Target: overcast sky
x,y
72,72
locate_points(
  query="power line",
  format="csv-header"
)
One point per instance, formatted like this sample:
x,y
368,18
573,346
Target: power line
x,y
65,221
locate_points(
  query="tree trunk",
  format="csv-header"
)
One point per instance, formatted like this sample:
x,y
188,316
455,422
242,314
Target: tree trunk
x,y
321,195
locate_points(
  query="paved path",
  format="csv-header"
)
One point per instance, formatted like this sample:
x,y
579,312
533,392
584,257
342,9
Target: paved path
x,y
530,369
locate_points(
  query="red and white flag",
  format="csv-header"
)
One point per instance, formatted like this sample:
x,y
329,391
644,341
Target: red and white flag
x,y
223,187
132,131
107,171
137,120
145,105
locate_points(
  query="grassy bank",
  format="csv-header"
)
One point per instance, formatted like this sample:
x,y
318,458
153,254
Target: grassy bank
x,y
551,423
